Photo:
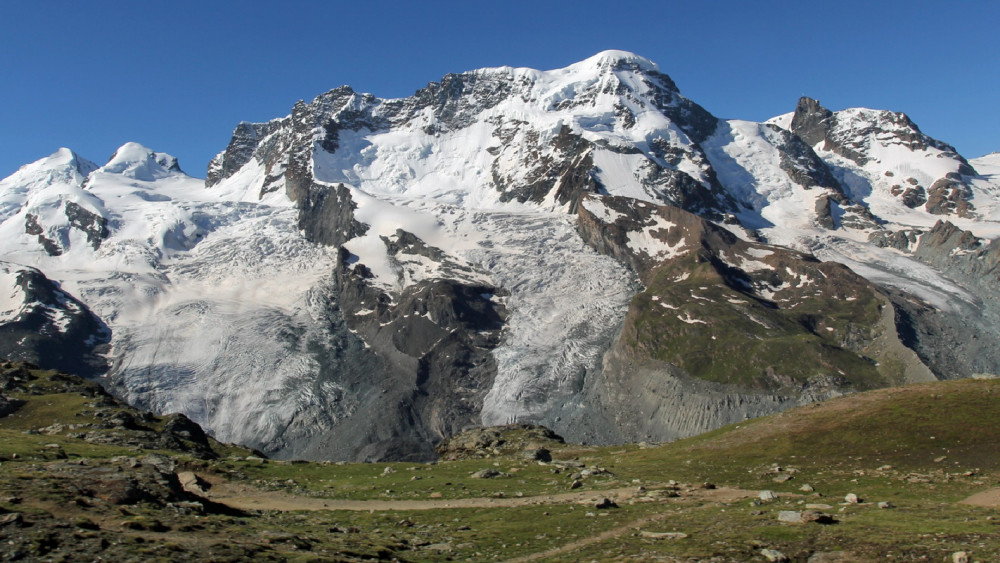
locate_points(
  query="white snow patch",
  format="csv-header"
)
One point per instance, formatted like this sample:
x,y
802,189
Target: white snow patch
x,y
687,318
649,241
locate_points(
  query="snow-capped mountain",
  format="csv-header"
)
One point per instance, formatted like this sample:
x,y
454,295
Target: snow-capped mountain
x,y
584,248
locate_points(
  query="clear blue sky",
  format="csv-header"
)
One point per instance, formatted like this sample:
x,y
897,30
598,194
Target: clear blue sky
x,y
179,75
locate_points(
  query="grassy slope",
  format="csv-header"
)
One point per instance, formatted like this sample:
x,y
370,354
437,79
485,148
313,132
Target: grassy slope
x,y
920,447
698,323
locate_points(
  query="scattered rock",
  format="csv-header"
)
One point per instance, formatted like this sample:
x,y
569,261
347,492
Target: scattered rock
x,y
807,488
576,484
773,555
885,504
13,519
783,477
818,506
852,498
193,483
538,454
960,557
804,517
767,496
605,504
663,535
487,473
594,471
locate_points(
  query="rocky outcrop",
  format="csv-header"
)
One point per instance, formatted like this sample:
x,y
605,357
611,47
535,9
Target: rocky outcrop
x,y
527,441
811,121
32,227
723,327
93,226
50,327
241,149
949,195
849,137
856,134
565,173
114,422
432,340
799,161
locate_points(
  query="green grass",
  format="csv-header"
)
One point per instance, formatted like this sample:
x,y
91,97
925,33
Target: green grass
x,y
717,333
921,447
410,481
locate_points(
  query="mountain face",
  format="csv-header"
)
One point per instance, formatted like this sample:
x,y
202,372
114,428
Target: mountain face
x,y
583,248
39,322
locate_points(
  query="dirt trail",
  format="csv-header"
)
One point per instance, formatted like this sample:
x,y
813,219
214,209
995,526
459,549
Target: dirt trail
x,y
724,495
989,498
573,546
246,497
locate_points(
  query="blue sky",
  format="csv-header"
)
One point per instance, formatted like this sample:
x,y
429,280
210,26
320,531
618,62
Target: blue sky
x,y
179,75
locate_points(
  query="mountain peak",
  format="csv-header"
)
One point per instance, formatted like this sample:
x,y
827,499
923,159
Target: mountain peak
x,y
137,161
64,166
614,59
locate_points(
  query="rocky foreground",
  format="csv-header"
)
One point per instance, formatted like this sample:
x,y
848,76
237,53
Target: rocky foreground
x,y
910,474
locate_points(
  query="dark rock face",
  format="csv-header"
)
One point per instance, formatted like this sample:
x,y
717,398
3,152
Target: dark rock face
x,y
32,227
239,152
326,214
912,197
432,343
812,122
800,162
900,240
568,171
458,98
824,212
94,226
949,195
53,329
956,340
693,119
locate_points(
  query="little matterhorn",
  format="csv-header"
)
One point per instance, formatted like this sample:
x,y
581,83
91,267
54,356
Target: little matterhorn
x,y
583,248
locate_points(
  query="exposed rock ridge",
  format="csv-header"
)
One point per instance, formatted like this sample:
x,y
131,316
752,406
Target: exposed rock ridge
x,y
855,134
433,339
50,327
